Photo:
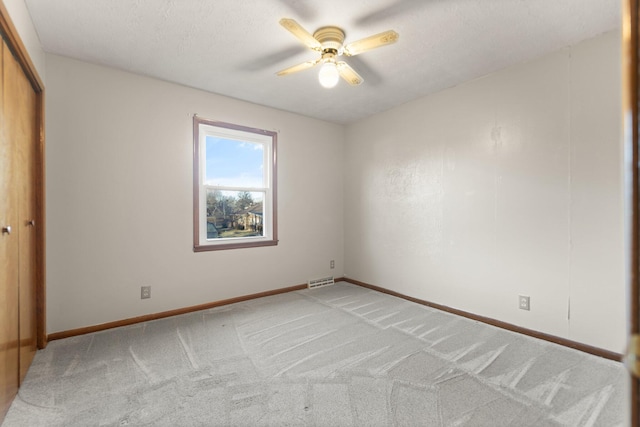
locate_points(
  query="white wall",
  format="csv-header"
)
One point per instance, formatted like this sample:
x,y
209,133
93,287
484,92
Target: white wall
x,y
507,185
120,197
19,15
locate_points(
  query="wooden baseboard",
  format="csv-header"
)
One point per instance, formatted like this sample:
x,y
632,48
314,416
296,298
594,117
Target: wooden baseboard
x,y
162,315
500,324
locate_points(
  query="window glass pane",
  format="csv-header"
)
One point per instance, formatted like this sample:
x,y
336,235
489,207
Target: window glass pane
x,y
234,214
235,194
232,163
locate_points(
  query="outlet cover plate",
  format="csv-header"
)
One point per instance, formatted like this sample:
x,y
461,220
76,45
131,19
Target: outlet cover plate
x,y
145,292
524,302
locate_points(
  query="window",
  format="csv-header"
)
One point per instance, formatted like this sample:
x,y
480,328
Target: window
x,y
234,173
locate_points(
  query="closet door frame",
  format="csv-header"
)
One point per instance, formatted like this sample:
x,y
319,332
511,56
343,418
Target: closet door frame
x,y
12,39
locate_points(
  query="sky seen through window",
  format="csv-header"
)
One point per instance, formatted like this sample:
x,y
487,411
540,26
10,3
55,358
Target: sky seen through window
x,y
234,163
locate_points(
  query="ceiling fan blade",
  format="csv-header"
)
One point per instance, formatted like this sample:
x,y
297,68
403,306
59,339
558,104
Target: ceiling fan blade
x,y
394,9
299,67
273,59
303,35
349,74
300,8
371,42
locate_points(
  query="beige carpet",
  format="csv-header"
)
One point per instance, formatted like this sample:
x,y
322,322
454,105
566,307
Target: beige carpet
x,y
336,356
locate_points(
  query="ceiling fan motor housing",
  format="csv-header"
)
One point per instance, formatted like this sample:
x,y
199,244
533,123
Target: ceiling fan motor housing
x,y
330,38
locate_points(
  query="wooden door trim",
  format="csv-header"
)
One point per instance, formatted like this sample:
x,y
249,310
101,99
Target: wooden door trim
x,y
10,34
630,110
18,48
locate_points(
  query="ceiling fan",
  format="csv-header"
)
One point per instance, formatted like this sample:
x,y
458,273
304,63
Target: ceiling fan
x,y
329,41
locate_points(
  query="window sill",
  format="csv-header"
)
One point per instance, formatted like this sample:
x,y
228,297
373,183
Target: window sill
x,y
238,245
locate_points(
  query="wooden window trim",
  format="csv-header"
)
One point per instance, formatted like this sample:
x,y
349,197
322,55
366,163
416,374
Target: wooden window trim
x,y
273,241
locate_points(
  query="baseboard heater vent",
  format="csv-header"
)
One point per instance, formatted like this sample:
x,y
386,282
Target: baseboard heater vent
x,y
325,281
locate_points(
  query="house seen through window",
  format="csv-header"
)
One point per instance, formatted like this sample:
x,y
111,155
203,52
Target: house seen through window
x,y
234,191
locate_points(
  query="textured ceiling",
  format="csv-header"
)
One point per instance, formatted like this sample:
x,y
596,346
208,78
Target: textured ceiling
x,y
235,47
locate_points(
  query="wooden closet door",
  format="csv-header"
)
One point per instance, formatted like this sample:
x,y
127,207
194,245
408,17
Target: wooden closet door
x,y
24,133
9,248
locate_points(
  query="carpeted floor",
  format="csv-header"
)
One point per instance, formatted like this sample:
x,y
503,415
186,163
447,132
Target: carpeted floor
x,y
336,356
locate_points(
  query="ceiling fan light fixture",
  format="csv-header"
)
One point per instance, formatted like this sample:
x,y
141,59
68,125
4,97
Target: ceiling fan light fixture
x,y
328,75
329,41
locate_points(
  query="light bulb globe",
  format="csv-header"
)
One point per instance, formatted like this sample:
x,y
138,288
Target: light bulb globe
x,y
328,75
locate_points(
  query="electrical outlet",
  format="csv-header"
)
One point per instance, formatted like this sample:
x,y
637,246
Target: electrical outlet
x,y
332,264
145,292
524,302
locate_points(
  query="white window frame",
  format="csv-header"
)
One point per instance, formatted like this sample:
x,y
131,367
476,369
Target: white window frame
x,y
203,128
